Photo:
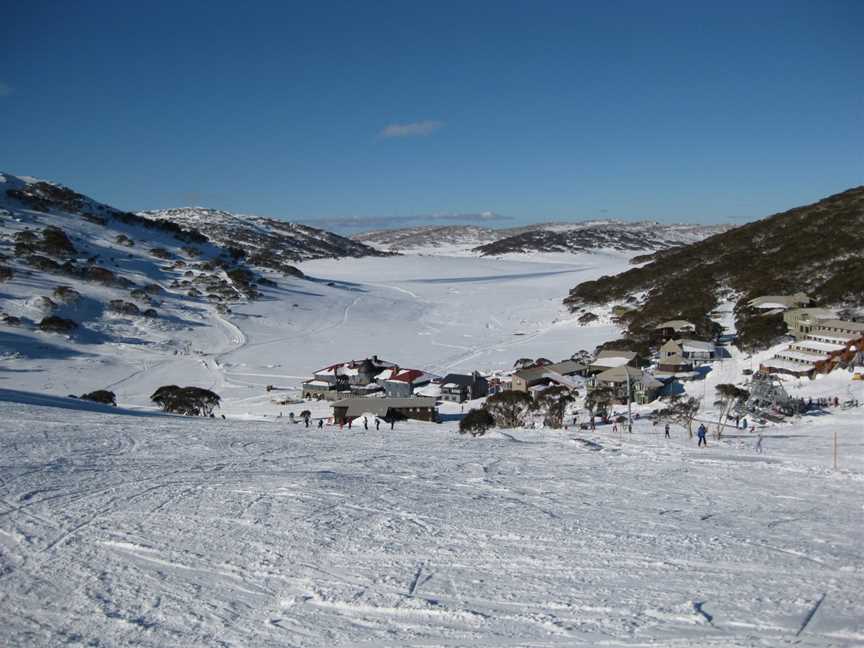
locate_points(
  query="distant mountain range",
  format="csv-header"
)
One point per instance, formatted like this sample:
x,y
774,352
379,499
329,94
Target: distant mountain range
x,y
542,237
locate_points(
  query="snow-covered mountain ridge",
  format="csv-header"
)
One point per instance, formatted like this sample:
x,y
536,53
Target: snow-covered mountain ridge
x,y
543,237
265,241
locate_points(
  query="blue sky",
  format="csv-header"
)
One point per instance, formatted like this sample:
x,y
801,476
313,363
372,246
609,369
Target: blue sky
x,y
398,113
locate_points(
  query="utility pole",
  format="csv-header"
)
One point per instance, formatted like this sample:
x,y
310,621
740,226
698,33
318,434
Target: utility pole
x,y
629,415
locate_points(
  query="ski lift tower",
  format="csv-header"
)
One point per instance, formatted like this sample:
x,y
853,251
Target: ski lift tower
x,y
767,395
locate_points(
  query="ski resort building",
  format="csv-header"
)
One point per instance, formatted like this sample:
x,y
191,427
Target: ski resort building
x,y
419,409
644,387
401,383
560,373
356,376
801,321
458,388
780,302
829,342
611,358
674,328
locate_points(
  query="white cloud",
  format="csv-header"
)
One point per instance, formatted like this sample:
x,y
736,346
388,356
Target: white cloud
x,y
5,89
413,129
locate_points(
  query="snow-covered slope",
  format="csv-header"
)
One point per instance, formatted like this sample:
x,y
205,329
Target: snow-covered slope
x,y
541,237
118,530
266,241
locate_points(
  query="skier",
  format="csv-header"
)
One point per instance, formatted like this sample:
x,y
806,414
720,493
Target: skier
x,y
759,444
667,431
306,419
377,424
320,423
614,428
701,432
349,423
392,423
365,423
744,423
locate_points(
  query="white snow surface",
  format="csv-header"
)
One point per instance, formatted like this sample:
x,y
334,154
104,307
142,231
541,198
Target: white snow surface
x,y
121,529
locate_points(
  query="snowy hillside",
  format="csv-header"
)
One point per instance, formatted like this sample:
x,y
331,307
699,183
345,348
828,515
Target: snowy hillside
x,y
541,237
267,242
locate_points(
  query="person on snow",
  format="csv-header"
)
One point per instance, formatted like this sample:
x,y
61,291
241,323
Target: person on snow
x,y
365,423
701,432
744,423
392,423
667,432
320,423
377,424
306,420
614,428
759,444
349,423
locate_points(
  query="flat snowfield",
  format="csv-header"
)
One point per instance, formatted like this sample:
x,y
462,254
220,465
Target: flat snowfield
x,y
142,530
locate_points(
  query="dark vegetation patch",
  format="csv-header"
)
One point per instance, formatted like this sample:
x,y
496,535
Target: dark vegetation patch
x,y
101,396
123,307
189,401
54,324
66,294
47,197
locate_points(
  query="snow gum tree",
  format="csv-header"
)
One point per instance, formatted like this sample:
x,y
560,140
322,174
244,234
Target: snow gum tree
x,y
681,411
509,408
727,396
189,401
553,403
476,422
598,400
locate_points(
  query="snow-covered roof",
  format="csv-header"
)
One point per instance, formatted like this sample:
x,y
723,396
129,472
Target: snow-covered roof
x,y
697,345
318,383
831,339
611,361
676,325
802,356
817,346
777,363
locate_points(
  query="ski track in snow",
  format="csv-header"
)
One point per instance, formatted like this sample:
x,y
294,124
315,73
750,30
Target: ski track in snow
x,y
199,532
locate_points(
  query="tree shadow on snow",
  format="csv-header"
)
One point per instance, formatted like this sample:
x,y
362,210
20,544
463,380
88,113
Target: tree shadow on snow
x,y
45,400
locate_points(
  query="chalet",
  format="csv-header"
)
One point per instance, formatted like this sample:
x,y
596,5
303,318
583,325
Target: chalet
x,y
780,302
643,386
403,382
460,387
611,358
673,364
674,328
697,351
560,373
420,409
337,380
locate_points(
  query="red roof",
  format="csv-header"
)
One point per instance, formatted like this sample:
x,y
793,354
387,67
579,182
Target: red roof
x,y
408,375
